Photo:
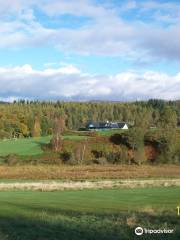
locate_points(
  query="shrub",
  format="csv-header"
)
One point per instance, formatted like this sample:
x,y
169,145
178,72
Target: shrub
x,y
66,156
97,154
100,161
11,159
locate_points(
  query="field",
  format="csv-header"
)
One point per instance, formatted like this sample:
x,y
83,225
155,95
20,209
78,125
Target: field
x,y
109,132
87,214
96,202
88,172
29,146
24,146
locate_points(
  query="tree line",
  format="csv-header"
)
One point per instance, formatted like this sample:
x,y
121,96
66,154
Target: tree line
x,y
33,119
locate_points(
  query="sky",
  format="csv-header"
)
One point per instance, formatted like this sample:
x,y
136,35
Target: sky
x,y
82,50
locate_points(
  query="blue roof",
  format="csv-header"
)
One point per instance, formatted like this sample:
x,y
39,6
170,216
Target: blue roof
x,y
103,125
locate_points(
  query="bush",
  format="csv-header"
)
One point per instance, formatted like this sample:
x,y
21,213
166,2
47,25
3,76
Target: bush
x,y
66,156
113,157
97,154
101,161
11,159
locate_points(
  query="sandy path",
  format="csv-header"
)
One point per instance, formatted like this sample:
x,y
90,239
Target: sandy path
x,y
58,185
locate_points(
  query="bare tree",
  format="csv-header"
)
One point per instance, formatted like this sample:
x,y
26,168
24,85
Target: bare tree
x,y
58,129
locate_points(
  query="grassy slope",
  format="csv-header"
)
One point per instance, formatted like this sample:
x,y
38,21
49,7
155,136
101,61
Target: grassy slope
x,y
87,214
96,200
109,132
28,147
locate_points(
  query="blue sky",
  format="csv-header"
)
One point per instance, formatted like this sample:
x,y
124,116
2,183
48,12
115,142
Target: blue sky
x,y
89,49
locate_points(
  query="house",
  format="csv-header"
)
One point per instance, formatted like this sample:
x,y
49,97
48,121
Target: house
x,y
123,126
106,125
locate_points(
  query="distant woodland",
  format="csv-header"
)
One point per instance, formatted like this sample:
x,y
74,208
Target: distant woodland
x,y
153,134
26,119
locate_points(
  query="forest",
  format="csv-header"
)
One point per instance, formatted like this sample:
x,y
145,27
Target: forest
x,y
153,133
32,119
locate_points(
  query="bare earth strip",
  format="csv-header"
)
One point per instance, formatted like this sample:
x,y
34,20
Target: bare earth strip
x,y
103,184
53,172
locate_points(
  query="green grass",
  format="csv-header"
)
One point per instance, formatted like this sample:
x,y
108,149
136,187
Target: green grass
x,y
24,146
99,200
29,146
74,137
87,214
108,133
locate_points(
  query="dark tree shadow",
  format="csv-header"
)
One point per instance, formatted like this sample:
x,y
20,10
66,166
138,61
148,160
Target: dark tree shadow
x,y
78,225
19,228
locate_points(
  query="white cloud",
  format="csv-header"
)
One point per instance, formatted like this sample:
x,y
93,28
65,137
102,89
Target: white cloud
x,y
107,34
63,70
69,83
76,8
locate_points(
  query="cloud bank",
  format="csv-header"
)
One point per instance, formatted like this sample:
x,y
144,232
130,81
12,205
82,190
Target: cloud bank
x,y
136,31
151,30
69,83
